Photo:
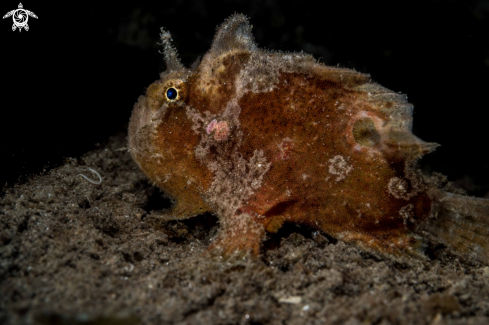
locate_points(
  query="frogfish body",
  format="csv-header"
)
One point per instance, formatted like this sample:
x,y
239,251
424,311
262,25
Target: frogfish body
x,y
260,138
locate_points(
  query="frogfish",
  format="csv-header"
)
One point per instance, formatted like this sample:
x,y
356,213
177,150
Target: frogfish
x,y
260,138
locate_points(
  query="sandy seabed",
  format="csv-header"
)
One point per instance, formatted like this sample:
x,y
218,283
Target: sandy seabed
x,y
73,252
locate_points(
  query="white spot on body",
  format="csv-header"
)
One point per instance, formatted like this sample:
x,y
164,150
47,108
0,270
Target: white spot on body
x,y
407,213
339,167
398,188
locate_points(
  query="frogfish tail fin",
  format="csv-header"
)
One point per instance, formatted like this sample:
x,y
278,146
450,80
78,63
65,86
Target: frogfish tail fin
x,y
460,222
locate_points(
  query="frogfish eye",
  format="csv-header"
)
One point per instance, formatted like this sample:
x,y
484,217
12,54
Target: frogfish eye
x,y
171,93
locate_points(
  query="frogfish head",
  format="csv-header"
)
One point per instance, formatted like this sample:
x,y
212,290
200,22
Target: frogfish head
x,y
161,139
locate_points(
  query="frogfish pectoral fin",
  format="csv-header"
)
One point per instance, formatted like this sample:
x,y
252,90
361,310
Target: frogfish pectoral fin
x,y
187,207
239,235
402,246
182,208
460,222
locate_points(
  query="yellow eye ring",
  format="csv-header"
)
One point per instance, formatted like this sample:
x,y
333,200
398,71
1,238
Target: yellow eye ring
x,y
174,90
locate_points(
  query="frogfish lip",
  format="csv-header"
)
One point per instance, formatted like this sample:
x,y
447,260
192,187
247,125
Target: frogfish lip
x,y
139,118
147,114
143,120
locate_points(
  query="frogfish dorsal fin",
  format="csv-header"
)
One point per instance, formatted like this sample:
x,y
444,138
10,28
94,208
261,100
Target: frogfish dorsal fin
x,y
396,129
234,34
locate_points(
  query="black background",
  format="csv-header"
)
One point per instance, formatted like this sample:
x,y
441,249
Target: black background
x,y
71,81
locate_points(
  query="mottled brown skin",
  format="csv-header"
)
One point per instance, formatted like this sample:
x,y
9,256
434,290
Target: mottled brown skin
x,y
318,200
262,138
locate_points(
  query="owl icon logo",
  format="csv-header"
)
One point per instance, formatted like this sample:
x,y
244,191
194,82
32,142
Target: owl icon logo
x,y
20,17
